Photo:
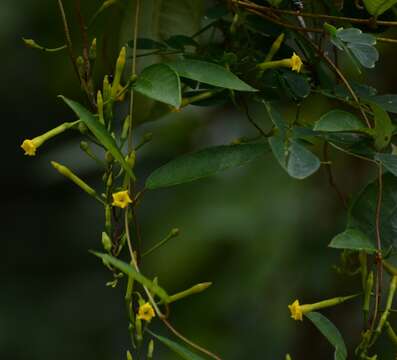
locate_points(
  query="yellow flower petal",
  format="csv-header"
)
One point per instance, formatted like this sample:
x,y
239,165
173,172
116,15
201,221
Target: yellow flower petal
x,y
296,311
30,147
146,312
296,63
121,199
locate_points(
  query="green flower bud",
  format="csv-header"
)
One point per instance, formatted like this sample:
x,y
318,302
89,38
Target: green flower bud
x,y
106,242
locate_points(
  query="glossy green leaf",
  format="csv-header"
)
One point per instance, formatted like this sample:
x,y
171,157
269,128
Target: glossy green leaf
x,y
383,127
356,36
352,239
178,349
209,73
160,82
363,211
147,44
100,132
389,161
296,160
203,163
378,7
338,121
130,271
330,332
366,55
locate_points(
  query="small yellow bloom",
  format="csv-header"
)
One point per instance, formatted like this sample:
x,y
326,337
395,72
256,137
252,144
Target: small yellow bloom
x,y
30,147
121,199
296,63
146,312
296,310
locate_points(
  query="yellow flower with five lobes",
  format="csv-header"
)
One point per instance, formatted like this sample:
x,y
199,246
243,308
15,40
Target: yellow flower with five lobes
x,y
146,312
30,146
121,199
296,63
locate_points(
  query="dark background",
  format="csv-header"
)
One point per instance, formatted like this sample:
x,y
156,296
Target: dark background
x,y
258,235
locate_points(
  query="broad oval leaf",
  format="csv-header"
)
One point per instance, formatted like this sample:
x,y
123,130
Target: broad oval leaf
x,y
203,163
356,36
100,132
330,332
363,211
338,121
353,239
130,271
378,7
209,73
389,161
177,348
366,55
160,82
387,102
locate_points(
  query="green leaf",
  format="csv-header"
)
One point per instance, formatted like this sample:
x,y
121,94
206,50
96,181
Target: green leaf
x,y
209,73
203,163
130,271
387,102
352,239
383,130
378,7
180,42
338,121
177,349
295,159
100,132
330,332
363,211
147,44
296,84
160,82
356,36
389,161
366,55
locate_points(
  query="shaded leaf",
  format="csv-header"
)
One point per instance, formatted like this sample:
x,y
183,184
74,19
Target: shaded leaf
x,y
383,130
160,82
296,84
183,352
338,121
352,239
180,42
203,163
366,55
147,44
209,73
387,102
330,332
100,132
389,161
363,211
378,7
130,271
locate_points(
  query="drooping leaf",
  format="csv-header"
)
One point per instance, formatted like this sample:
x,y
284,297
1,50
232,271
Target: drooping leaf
x,y
180,42
383,130
378,7
209,73
203,163
389,161
352,239
178,349
100,132
338,121
296,160
330,332
130,271
296,84
147,44
363,211
160,82
366,55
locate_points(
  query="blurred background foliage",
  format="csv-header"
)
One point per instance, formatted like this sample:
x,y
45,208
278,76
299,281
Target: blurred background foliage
x,y
260,236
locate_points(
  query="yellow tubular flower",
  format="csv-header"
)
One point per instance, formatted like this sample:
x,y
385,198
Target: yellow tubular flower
x,y
296,311
30,147
146,312
121,199
296,63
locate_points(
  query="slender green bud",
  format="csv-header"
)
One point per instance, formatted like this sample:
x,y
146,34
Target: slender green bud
x,y
275,47
150,349
106,241
120,64
84,146
80,66
131,159
368,292
193,290
32,44
389,301
138,330
109,157
92,52
100,107
106,88
74,178
83,128
126,127
129,356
